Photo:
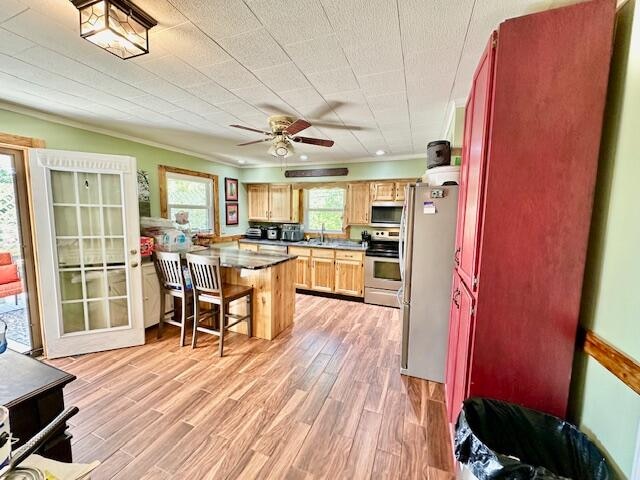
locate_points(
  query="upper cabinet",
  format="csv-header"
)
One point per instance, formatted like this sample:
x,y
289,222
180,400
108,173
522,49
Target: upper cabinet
x,y
258,200
388,191
273,203
358,204
383,191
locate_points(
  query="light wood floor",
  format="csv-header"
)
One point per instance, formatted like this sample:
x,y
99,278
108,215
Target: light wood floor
x,y
323,400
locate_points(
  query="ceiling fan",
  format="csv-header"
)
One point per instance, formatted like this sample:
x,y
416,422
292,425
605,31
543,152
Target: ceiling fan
x,y
284,130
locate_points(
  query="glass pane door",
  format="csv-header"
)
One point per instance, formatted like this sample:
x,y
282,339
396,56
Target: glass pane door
x,y
89,230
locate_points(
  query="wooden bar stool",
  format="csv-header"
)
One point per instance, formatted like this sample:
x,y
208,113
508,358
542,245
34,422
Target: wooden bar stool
x,y
172,282
208,287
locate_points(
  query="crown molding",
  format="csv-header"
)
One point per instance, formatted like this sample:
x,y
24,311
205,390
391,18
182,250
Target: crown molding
x,y
49,117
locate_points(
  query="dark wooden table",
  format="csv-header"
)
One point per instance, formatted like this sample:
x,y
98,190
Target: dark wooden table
x,y
32,391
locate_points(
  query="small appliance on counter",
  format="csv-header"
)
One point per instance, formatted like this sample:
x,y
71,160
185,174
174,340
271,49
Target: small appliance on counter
x,y
273,233
292,232
438,154
442,176
365,238
256,233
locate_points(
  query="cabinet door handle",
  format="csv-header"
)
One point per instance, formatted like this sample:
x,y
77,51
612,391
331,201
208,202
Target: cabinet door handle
x,y
456,295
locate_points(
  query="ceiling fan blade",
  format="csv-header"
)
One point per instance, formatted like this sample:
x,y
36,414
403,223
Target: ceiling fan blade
x,y
255,141
269,107
314,141
250,129
297,126
325,109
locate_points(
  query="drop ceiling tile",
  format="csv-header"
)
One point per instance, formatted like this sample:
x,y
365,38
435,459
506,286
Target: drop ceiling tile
x,y
238,108
255,49
154,103
163,12
388,101
278,16
174,70
64,13
55,62
10,43
302,97
281,78
212,93
334,81
257,94
381,83
190,44
230,75
162,88
318,54
126,72
376,57
10,8
195,104
366,19
186,117
219,18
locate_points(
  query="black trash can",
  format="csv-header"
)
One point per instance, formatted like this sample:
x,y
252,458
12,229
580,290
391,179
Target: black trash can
x,y
438,154
500,440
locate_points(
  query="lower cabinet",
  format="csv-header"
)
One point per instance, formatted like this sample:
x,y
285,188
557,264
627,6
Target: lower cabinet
x,y
349,273
322,274
303,266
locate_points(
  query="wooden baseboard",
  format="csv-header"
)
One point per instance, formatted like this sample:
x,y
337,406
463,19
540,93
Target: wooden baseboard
x,y
621,365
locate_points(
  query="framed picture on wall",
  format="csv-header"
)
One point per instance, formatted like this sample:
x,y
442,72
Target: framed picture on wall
x,y
231,213
231,189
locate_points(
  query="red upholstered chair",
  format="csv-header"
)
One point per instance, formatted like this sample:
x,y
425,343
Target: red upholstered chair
x,y
10,282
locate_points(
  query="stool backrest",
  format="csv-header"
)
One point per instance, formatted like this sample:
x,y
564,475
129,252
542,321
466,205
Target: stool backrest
x,y
169,270
205,273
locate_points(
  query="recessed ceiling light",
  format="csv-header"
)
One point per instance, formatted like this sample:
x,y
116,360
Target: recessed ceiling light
x,y
242,161
304,157
380,152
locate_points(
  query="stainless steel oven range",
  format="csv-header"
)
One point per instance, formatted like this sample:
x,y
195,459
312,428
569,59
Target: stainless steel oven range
x,y
382,269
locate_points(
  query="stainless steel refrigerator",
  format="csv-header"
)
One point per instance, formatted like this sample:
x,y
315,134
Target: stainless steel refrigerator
x,y
427,237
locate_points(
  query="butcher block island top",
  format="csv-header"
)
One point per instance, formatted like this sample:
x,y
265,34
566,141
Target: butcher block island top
x,y
272,277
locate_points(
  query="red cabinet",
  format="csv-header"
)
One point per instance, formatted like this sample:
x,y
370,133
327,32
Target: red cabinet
x,y
532,135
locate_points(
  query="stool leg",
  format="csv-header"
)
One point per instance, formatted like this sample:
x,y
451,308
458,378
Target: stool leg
x,y
183,326
196,315
223,313
162,309
250,315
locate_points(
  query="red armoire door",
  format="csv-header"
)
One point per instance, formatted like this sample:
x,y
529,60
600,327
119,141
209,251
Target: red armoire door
x,y
474,170
454,320
463,349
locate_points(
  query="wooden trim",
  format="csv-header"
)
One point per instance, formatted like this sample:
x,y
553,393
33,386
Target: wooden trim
x,y
162,179
618,363
18,141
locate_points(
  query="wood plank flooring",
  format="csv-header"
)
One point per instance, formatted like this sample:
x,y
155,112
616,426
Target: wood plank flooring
x,y
323,400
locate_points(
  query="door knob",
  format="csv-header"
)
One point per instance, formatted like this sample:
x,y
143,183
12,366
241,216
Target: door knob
x,y
133,252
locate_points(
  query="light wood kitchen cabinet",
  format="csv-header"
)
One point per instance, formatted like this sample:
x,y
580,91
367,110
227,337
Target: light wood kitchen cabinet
x,y
252,247
383,191
303,266
258,202
322,270
273,202
349,273
400,186
358,204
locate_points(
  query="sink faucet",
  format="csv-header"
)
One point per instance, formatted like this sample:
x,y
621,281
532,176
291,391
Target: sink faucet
x,y
322,234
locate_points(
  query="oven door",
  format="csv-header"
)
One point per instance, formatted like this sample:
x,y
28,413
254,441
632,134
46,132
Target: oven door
x,y
386,214
382,272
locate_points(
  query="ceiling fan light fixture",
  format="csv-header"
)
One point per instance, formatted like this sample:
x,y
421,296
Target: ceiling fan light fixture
x,y
379,153
118,26
281,149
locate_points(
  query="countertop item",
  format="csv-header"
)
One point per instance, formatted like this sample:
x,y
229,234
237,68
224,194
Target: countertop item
x,y
232,258
334,244
32,391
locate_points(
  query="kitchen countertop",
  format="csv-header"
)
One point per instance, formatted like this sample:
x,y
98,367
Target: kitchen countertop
x,y
232,258
340,245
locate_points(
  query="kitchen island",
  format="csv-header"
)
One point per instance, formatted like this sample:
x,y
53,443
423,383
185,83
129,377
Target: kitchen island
x,y
272,277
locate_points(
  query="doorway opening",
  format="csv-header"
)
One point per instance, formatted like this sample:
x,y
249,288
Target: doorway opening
x,y
18,296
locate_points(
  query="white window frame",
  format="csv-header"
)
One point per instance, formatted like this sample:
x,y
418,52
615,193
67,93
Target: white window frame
x,y
209,202
307,227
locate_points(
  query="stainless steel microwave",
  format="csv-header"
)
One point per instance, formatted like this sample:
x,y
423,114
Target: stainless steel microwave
x,y
386,214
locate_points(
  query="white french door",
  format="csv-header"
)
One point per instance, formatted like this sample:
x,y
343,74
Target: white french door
x,y
87,243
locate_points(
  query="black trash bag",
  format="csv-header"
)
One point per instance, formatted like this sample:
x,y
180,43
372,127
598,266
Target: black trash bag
x,y
500,440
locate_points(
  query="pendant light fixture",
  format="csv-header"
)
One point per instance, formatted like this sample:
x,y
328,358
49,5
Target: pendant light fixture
x,y
118,26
